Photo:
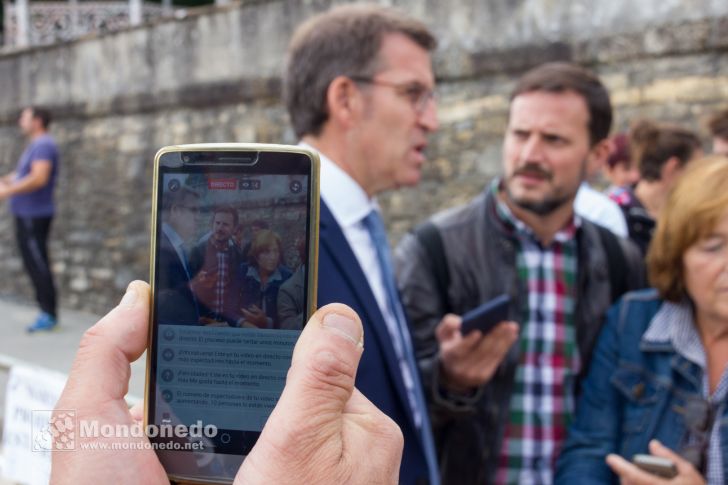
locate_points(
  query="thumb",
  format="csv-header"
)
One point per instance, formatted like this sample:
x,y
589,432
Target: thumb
x,y
448,328
321,379
101,371
658,449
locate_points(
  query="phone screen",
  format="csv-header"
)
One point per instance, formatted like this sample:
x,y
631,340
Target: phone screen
x,y
231,296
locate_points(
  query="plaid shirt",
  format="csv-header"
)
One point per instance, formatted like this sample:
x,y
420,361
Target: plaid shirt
x,y
221,284
542,403
218,262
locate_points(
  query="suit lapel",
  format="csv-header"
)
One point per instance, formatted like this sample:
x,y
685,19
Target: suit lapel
x,y
334,242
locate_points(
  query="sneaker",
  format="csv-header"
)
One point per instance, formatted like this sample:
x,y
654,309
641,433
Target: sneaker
x,y
44,322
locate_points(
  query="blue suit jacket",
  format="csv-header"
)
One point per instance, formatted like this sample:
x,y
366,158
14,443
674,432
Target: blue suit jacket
x,y
342,280
175,302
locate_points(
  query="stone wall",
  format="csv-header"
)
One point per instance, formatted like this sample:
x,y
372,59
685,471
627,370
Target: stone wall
x,y
214,77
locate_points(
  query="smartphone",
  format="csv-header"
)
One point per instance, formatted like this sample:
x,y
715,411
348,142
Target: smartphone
x,y
656,465
233,273
486,316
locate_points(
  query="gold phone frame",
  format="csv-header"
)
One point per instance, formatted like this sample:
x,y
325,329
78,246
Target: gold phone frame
x,y
313,245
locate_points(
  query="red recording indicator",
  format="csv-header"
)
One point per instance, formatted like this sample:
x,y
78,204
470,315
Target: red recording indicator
x,y
222,184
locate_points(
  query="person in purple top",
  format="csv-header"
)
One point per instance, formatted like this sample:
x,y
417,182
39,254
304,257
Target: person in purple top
x,y
30,191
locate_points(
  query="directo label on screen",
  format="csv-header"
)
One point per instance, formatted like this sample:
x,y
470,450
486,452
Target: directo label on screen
x,y
222,184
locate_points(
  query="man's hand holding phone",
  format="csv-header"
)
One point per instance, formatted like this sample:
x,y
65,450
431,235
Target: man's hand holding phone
x,y
319,432
469,361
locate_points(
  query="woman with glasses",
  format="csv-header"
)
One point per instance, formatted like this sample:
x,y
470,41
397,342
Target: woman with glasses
x,y
657,383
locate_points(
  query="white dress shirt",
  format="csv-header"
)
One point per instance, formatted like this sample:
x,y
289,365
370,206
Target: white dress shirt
x,y
350,204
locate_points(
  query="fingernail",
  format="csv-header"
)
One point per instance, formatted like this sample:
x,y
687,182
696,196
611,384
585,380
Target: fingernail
x,y
130,297
344,326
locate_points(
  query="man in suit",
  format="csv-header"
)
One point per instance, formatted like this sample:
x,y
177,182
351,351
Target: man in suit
x,y
176,303
359,90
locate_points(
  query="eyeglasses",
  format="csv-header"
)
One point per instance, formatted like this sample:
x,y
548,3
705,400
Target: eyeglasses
x,y
699,418
416,93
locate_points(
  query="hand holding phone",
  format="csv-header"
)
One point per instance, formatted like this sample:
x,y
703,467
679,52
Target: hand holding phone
x,y
469,361
289,447
662,462
656,465
486,316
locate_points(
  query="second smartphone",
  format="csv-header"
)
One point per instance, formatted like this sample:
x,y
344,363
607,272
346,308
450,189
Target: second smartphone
x,y
233,274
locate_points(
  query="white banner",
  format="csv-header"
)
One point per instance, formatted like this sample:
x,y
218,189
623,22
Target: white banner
x,y
31,395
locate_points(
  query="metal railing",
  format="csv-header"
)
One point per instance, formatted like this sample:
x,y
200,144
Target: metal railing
x,y
43,23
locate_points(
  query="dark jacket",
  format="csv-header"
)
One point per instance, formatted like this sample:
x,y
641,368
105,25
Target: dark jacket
x,y
633,394
175,303
292,300
481,262
252,293
640,224
378,377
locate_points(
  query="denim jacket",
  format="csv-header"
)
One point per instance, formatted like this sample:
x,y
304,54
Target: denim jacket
x,y
634,392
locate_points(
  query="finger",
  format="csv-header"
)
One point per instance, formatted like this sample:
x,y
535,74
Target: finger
x,y
500,339
385,440
137,411
448,328
101,368
322,375
457,344
495,344
358,403
658,449
630,473
465,345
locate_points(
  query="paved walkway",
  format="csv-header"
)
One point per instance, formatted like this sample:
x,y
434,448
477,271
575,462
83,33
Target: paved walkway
x,y
52,350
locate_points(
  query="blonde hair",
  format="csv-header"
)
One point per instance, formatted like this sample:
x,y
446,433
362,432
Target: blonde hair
x,y
262,241
694,207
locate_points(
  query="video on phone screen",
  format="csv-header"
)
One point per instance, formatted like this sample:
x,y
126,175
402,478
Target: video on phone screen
x,y
230,294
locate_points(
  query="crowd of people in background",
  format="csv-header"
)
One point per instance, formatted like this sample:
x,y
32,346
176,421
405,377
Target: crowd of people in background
x,y
616,341
223,279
